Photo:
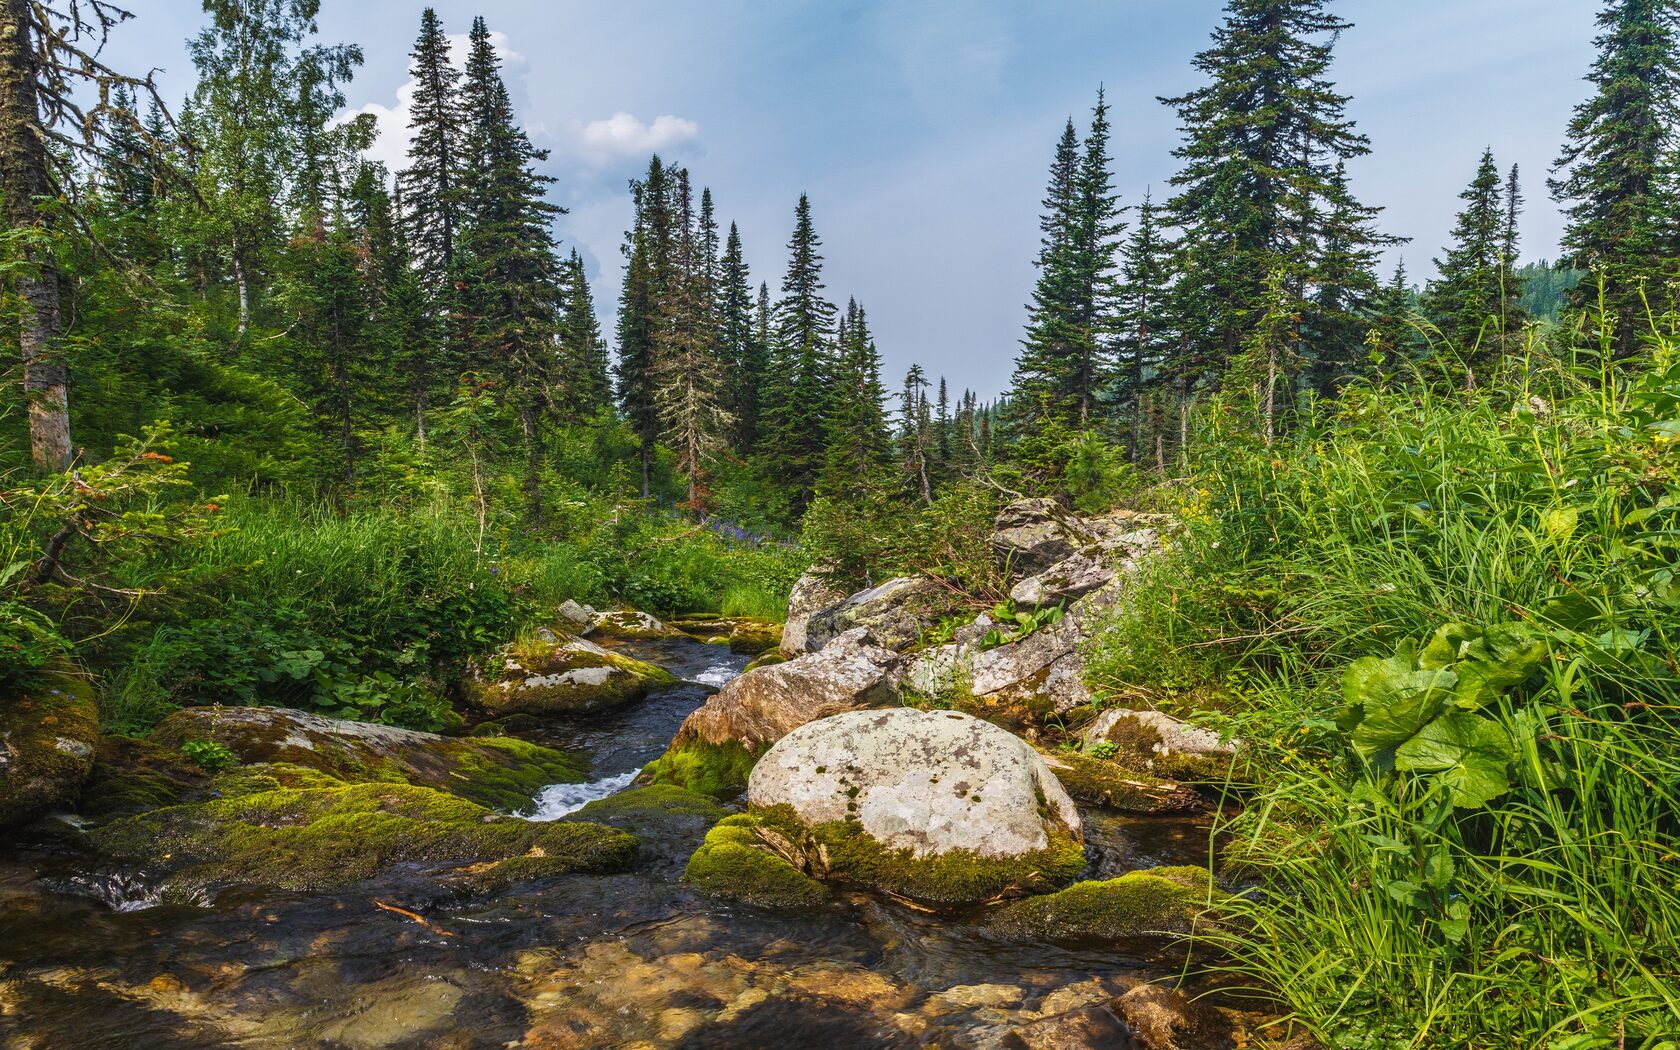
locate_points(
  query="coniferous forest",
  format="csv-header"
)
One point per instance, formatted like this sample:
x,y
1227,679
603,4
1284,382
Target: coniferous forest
x,y
410,638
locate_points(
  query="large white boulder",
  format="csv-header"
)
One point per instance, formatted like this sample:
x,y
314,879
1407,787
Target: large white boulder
x,y
811,593
930,782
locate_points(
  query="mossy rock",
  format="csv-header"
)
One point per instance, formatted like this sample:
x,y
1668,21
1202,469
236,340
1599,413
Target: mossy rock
x,y
1159,902
841,850
668,820
754,636
719,770
767,659
631,625
734,863
499,772
1138,743
565,676
1099,782
48,733
322,836
133,776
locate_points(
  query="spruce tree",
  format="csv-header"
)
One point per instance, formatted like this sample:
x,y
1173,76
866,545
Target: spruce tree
x,y
1263,139
1051,315
431,184
688,375
1343,280
804,325
858,445
1475,302
585,378
915,434
1614,175
740,347
1144,336
647,279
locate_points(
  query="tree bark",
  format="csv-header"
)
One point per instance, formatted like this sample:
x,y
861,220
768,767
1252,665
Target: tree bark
x,y
23,174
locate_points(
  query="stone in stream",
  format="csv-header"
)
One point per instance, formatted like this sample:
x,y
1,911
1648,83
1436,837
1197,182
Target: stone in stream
x,y
562,675
1155,903
812,593
934,807
1099,782
1159,743
498,772
48,732
631,624
718,743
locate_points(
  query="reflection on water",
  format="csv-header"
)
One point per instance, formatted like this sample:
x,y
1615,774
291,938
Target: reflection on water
x,y
580,962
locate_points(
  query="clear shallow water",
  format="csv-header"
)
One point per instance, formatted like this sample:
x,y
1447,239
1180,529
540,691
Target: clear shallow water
x,y
578,963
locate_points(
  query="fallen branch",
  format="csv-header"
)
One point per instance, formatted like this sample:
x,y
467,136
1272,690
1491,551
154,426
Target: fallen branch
x,y
416,916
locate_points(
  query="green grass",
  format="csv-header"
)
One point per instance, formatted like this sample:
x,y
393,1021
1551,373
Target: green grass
x,y
1382,915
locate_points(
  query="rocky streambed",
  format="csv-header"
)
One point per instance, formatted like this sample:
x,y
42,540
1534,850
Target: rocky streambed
x,y
582,871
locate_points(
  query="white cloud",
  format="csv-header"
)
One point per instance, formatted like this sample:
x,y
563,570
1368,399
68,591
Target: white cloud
x,y
600,143
390,147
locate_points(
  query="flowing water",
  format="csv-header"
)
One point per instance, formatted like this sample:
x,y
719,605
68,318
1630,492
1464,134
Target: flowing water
x,y
93,962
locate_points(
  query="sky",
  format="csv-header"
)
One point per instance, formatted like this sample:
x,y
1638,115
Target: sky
x,y
923,129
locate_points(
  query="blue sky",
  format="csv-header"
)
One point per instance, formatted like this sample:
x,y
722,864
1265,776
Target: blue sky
x,y
923,128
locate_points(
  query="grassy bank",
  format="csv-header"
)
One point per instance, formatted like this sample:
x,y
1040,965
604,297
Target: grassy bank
x,y
1446,623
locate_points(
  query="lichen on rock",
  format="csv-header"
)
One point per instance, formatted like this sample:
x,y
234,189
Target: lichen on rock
x,y
563,676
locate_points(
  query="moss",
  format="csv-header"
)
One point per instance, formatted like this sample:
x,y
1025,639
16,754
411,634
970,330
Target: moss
x,y
665,799
47,740
767,659
631,626
557,680
1134,745
1098,782
132,776
733,864
506,774
754,636
1156,902
841,849
319,837
571,846
719,770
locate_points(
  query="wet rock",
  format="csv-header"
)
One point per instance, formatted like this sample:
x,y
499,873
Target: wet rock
x,y
813,592
754,636
717,744
563,676
895,613
669,821
1098,782
1161,744
1159,902
1089,1028
734,863
48,732
498,772
973,996
132,776
294,828
1163,1018
631,624
935,807
575,617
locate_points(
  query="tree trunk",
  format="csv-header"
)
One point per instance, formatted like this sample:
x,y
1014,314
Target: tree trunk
x,y
244,288
23,174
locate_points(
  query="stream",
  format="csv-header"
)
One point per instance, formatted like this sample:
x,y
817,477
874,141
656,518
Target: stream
x,y
635,960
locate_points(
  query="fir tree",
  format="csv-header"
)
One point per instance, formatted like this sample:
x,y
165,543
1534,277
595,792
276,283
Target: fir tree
x,y
1262,143
799,372
585,377
915,433
741,348
431,185
1051,321
1144,337
1475,302
688,374
1614,175
647,279
858,445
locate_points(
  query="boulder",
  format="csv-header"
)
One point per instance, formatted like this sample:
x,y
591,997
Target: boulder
x,y
1043,672
935,807
563,675
716,745
895,613
1158,743
1074,577
1034,536
812,593
1098,782
497,772
575,617
48,732
1159,902
631,624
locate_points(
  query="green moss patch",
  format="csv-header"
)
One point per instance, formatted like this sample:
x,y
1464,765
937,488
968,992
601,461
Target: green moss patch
x,y
1098,782
719,770
133,776
47,740
767,659
734,864
1153,903
320,837
568,677
840,849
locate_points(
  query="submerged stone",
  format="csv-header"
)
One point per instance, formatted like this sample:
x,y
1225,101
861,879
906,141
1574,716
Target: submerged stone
x,y
498,772
48,732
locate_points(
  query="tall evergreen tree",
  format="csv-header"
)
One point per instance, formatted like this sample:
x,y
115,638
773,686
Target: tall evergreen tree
x,y
1144,338
1614,175
648,276
915,433
804,323
688,375
585,378
858,444
1263,139
431,184
740,346
1051,321
1476,302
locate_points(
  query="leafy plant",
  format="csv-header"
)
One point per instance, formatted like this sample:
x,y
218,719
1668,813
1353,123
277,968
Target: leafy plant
x,y
1017,625
212,756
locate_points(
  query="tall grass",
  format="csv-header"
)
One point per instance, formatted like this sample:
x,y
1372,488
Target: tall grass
x,y
1383,915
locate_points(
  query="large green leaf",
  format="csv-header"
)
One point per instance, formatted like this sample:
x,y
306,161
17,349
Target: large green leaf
x,y
1469,755
1398,704
1504,657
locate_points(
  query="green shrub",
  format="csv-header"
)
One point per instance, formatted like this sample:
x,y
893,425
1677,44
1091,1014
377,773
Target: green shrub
x,y
209,755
